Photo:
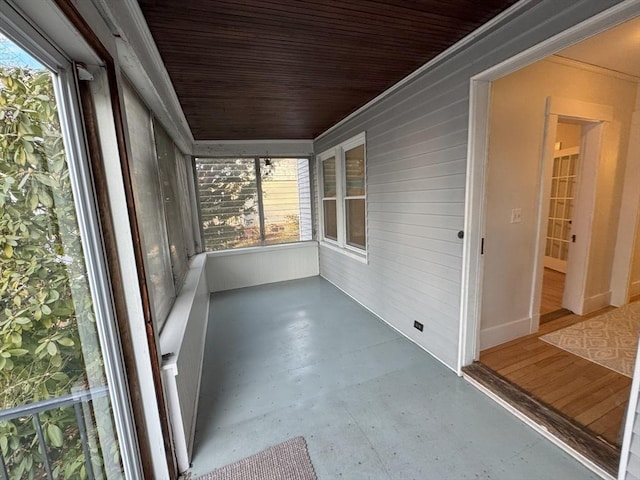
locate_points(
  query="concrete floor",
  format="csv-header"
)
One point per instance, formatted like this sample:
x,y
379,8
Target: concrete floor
x,y
301,358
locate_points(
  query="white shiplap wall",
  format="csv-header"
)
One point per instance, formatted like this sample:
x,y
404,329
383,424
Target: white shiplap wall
x,y
416,172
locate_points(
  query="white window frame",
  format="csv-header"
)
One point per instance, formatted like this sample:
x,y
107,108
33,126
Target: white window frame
x,y
19,29
339,153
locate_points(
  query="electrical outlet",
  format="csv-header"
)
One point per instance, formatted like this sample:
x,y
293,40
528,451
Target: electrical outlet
x,y
417,325
516,215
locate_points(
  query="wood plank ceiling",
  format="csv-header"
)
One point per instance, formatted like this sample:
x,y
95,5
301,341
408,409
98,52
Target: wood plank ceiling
x,y
290,69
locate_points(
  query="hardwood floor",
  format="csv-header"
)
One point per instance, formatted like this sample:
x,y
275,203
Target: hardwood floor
x,y
552,290
590,394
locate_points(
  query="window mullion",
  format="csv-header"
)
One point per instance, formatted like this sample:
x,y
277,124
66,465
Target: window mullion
x,y
340,192
260,202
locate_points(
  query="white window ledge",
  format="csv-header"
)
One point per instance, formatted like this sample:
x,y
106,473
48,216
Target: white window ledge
x,y
263,248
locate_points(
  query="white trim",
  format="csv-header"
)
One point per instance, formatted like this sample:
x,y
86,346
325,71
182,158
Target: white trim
x,y
540,429
474,207
262,248
596,302
338,153
253,148
634,289
449,52
569,107
569,62
492,336
629,220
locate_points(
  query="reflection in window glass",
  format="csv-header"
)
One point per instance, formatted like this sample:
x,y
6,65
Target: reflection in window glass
x,y
149,206
354,169
229,203
356,235
234,214
330,219
282,193
49,345
329,177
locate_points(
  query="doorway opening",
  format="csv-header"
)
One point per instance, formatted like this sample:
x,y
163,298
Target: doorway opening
x,y
557,143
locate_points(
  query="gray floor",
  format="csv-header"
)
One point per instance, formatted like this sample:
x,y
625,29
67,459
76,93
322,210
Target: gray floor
x,y
301,358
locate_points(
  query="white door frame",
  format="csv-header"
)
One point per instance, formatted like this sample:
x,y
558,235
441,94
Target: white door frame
x,y
479,99
592,116
472,262
629,225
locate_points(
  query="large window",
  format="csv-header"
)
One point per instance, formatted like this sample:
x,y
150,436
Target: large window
x,y
161,186
343,192
246,202
62,411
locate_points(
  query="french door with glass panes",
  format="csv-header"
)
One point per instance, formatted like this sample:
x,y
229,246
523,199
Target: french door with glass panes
x,y
561,202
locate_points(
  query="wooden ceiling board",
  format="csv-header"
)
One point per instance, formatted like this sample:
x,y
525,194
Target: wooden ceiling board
x,y
290,69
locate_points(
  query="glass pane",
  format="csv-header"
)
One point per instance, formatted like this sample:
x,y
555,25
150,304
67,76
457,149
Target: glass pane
x,y
354,168
566,230
50,344
547,250
554,188
356,234
168,164
286,199
330,220
564,167
552,209
556,167
564,252
148,200
329,177
562,188
574,165
228,202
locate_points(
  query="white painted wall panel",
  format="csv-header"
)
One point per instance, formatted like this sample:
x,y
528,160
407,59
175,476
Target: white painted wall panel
x,y
416,161
247,267
182,343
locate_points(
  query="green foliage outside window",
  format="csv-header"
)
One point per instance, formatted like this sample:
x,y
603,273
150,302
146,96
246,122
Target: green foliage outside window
x,y
45,304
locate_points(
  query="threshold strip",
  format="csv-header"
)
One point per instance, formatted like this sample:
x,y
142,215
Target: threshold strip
x,y
578,437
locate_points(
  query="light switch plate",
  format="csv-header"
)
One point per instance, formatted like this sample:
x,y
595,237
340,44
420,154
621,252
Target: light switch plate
x,y
516,215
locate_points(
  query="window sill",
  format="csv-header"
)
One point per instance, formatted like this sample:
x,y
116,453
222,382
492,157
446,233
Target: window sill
x,y
351,253
262,248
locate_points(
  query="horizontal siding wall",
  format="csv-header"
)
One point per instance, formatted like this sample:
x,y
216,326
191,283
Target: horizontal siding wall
x,y
416,173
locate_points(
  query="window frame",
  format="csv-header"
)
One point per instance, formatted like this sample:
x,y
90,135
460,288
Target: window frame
x,y
21,30
257,160
339,153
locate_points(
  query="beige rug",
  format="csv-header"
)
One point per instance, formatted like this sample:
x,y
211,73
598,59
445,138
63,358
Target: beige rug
x,y
610,339
286,461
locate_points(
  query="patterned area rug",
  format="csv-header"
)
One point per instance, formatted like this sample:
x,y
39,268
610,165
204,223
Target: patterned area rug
x,y
285,461
610,339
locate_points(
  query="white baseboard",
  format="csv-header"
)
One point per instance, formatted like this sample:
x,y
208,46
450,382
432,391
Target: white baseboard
x,y
492,336
596,302
634,289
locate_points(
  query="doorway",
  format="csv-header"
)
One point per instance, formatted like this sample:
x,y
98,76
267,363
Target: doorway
x,y
525,217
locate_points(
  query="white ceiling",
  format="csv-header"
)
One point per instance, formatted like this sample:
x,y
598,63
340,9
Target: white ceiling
x,y
616,49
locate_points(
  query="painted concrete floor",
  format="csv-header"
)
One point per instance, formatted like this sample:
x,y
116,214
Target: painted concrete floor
x,y
301,358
